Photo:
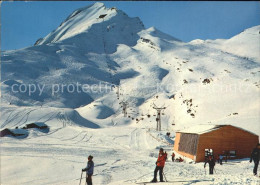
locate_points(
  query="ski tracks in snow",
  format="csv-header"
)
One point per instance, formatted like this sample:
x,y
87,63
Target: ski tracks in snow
x,y
138,139
17,117
47,117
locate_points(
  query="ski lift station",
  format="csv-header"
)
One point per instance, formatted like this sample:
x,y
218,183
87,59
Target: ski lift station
x,y
227,140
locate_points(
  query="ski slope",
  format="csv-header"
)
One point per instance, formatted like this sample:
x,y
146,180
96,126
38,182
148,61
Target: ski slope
x,y
125,157
118,59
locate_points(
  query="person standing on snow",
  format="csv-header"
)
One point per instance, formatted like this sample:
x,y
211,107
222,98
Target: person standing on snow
x,y
160,165
173,156
211,162
255,156
89,170
220,159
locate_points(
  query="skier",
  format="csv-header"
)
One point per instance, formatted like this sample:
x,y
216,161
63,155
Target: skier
x,y
173,155
220,159
160,165
255,156
89,170
211,162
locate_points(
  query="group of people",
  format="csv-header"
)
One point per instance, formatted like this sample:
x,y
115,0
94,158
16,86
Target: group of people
x,y
162,157
179,159
255,156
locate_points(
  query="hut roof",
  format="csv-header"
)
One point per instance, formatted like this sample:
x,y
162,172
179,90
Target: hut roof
x,y
19,131
40,124
205,128
37,125
5,132
201,129
13,132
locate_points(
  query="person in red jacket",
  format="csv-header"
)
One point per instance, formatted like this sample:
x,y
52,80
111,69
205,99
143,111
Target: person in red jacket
x,y
160,165
173,156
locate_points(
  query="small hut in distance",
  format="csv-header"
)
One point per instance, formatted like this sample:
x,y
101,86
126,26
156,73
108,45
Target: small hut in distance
x,y
14,133
221,139
6,132
39,125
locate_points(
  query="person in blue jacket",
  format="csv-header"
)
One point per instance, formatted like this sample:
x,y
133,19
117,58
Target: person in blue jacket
x,y
89,170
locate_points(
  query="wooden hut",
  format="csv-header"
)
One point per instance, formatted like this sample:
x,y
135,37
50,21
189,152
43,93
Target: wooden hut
x,y
13,132
39,125
6,132
226,140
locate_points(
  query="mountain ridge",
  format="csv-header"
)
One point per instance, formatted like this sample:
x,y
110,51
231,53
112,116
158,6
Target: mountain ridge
x,y
137,65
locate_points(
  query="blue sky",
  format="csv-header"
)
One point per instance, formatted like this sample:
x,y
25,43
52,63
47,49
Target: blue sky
x,y
24,22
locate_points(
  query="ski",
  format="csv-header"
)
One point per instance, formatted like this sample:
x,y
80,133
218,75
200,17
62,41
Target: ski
x,y
177,181
153,182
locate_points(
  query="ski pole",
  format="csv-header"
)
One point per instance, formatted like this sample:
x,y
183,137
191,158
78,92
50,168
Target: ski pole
x,y
164,177
215,170
80,178
86,178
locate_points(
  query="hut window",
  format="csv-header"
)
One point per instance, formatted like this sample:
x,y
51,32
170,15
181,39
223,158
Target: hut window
x,y
232,153
188,143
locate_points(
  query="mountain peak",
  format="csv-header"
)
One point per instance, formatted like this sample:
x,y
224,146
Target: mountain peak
x,y
153,31
95,20
94,7
98,4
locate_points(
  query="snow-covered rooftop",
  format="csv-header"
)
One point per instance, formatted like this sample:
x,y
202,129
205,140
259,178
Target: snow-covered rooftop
x,y
201,129
205,128
19,131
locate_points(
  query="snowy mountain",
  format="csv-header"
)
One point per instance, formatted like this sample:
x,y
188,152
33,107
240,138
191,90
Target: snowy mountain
x,y
75,78
84,27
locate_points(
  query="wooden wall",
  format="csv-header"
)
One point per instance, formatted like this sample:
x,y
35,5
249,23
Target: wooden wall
x,y
177,141
224,138
176,147
189,143
227,138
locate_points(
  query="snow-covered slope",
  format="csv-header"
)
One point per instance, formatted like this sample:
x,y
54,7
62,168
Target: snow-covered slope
x,y
245,44
95,49
76,78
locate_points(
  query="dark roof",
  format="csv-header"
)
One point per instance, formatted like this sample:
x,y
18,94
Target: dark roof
x,y
5,132
37,125
13,132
